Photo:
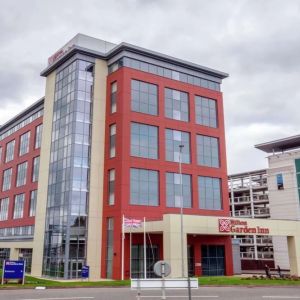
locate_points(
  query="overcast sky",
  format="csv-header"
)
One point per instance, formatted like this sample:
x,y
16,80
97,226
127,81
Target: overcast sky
x,y
256,41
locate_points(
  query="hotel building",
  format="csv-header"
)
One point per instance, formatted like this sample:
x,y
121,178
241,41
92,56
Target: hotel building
x,y
106,142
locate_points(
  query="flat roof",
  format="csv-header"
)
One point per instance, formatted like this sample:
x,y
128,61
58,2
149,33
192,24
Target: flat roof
x,y
243,174
105,50
280,145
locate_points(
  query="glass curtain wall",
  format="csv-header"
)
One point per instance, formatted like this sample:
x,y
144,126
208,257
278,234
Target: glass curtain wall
x,y
68,187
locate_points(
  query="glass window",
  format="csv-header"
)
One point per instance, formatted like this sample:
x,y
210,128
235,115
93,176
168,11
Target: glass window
x,y
173,181
38,136
4,209
6,185
210,193
174,139
111,186
10,148
144,187
109,247
32,207
279,181
112,141
21,174
144,97
19,206
206,111
176,105
36,168
0,155
175,75
113,97
208,151
24,143
144,141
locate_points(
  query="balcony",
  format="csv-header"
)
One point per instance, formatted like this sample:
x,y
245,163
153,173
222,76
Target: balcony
x,y
263,212
264,198
260,255
260,241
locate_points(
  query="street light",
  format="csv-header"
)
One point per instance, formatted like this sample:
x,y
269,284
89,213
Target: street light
x,y
181,210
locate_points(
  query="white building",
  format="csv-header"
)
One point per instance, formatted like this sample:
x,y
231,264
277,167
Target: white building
x,y
283,175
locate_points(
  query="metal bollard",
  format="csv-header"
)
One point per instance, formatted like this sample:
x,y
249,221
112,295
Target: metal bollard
x,y
189,288
138,290
163,288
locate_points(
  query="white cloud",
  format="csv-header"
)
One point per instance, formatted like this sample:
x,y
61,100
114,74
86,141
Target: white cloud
x,y
256,42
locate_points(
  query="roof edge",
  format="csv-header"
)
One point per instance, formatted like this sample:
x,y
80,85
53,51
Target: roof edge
x,y
135,49
22,113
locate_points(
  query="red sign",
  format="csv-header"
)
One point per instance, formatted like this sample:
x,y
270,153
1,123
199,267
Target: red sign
x,y
237,226
59,54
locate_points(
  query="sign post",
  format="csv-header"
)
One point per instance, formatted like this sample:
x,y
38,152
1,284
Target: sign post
x,y
14,269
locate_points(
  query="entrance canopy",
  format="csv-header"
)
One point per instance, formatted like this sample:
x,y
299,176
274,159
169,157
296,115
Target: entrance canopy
x,y
204,225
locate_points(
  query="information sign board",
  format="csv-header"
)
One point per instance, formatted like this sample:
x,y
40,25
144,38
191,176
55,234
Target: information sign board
x,y
85,272
13,269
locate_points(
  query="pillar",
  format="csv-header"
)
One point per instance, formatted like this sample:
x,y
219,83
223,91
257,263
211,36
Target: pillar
x,y
172,245
294,254
14,253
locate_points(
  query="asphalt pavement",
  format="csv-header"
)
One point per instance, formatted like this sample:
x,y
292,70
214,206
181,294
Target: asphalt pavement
x,y
226,293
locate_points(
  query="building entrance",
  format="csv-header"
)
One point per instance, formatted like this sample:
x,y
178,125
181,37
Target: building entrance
x,y
137,260
213,260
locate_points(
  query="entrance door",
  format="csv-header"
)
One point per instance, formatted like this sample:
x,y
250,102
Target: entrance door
x,y
137,260
213,260
75,268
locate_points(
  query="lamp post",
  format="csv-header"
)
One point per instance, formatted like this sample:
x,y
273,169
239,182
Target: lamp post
x,y
181,210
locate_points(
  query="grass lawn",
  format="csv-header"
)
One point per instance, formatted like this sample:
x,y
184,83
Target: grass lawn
x,y
32,282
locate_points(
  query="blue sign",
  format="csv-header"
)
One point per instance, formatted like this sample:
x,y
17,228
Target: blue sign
x,y
14,269
85,272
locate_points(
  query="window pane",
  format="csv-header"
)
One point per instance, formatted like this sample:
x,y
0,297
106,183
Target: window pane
x,y
21,174
24,143
144,141
174,139
206,111
10,147
176,105
209,193
208,151
144,187
19,206
144,97
175,190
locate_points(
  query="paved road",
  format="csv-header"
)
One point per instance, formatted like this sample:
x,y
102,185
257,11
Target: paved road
x,y
226,293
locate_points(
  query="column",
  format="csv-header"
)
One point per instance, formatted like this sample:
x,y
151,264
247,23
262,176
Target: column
x,y
251,196
14,253
255,247
172,242
294,254
232,198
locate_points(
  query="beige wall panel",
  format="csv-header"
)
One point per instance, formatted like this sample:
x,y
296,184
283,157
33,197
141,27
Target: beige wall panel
x,y
294,254
14,247
38,243
280,252
97,171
